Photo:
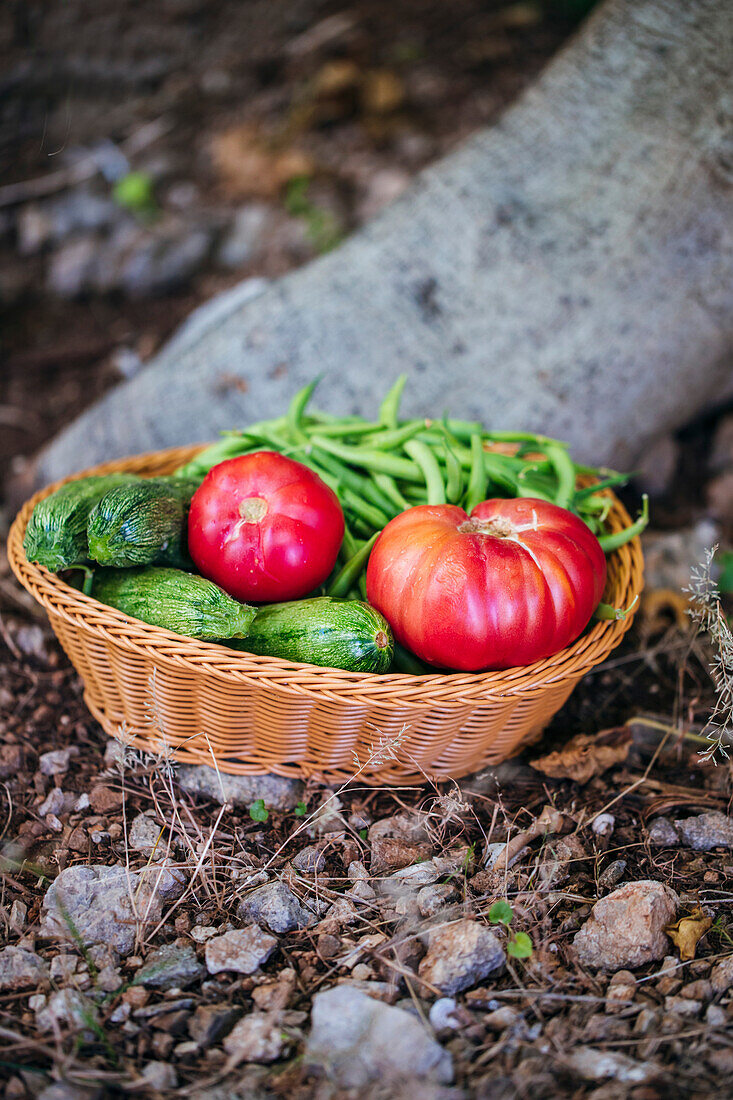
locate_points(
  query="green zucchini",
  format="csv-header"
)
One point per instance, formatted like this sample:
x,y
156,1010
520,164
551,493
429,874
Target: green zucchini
x,y
344,634
142,523
178,601
56,535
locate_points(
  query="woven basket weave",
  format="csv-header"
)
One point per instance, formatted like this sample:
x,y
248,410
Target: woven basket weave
x,y
200,701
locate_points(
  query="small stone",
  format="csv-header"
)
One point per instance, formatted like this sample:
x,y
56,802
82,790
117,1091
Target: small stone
x,y
363,892
357,872
502,1018
210,1023
716,1016
96,903
646,1021
671,556
68,1090
276,996
603,825
699,990
202,933
621,991
243,950
57,761
358,1039
275,791
11,760
612,874
105,800
662,833
443,1014
682,1006
604,1065
276,907
460,955
160,1076
706,831
68,1008
20,969
431,899
626,928
170,967
721,977
147,836
398,841
57,802
18,915
256,1038
82,803
244,241
310,860
63,967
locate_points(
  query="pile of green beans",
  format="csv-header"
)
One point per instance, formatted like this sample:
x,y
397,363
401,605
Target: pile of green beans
x,y
378,469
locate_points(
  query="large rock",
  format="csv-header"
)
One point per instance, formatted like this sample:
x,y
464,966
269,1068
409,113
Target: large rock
x,y
21,969
706,831
356,1040
108,905
626,928
460,955
277,792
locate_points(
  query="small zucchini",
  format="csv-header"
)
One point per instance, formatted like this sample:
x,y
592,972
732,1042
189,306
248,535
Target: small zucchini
x,y
182,602
344,634
142,523
56,535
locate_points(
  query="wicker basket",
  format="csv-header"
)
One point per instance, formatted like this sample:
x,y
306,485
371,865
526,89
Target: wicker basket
x,y
200,701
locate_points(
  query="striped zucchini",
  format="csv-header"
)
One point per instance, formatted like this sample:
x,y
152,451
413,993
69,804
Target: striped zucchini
x,y
142,523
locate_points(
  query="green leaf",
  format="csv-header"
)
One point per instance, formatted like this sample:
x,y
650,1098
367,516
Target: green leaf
x,y
363,834
258,811
301,810
135,192
501,913
520,946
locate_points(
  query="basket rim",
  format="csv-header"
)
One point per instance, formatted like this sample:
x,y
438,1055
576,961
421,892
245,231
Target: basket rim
x,y
60,600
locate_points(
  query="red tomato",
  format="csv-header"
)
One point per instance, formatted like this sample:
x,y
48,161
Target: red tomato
x,y
264,527
515,582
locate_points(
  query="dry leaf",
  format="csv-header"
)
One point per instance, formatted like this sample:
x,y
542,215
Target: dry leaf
x,y
251,167
660,605
688,931
586,755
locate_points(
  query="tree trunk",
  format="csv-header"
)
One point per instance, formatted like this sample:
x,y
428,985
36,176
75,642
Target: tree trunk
x,y
568,270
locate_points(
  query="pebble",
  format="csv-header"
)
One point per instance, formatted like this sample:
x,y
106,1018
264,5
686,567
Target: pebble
x,y
97,899
160,1076
210,1022
460,955
431,899
662,833
716,1016
57,761
706,831
20,969
146,836
604,1065
244,241
277,792
256,1038
67,1008
310,860
357,1039
18,915
170,967
682,1006
626,928
398,841
603,825
621,991
721,977
275,906
67,1090
243,950
57,802
612,874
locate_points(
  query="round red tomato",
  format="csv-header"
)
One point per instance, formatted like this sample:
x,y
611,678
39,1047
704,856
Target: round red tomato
x,y
264,527
515,582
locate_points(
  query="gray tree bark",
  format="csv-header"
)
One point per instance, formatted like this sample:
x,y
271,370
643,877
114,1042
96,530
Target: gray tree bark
x,y
569,270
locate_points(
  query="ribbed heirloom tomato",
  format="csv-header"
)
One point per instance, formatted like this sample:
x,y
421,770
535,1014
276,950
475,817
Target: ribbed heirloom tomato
x,y
264,527
515,582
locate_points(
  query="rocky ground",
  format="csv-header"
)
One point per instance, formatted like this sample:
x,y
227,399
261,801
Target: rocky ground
x,y
557,926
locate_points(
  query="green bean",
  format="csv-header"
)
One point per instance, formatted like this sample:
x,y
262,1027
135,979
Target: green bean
x,y
337,428
565,471
478,478
619,538
349,545
390,406
604,611
389,487
607,483
382,463
297,408
500,473
462,429
362,486
395,437
349,575
427,462
454,472
372,515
